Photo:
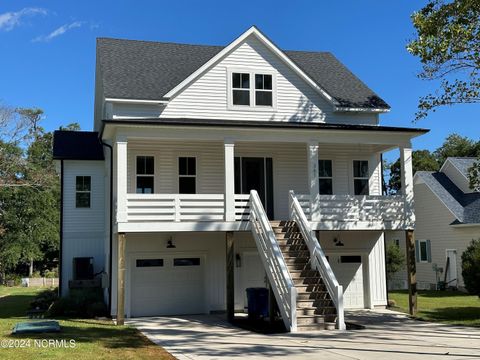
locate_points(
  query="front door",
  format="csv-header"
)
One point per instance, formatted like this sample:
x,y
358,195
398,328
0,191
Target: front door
x,y
255,173
452,267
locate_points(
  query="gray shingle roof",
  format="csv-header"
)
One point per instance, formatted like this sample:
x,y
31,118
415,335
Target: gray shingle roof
x,y
463,163
132,69
465,207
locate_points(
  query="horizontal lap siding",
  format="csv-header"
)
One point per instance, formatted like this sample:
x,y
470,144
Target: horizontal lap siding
x,y
207,96
210,173
83,229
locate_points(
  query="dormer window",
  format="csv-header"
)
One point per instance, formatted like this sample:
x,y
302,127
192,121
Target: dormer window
x,y
241,89
249,90
263,90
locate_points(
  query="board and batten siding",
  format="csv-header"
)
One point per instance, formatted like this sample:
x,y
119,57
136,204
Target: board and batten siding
x,y
433,221
84,229
207,96
211,245
370,245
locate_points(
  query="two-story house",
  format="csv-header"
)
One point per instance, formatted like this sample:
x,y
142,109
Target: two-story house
x,y
213,169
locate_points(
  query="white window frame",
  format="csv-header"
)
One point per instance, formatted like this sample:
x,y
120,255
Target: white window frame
x,y
252,106
326,177
89,192
420,251
360,178
186,176
144,175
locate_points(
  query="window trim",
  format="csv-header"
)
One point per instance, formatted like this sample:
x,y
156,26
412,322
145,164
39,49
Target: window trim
x,y
89,192
360,178
325,177
186,176
252,106
420,251
144,175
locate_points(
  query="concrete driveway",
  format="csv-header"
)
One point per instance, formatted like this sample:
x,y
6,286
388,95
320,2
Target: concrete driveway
x,y
388,335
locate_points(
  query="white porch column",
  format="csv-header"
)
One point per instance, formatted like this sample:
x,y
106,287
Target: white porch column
x,y
121,179
312,154
229,148
407,184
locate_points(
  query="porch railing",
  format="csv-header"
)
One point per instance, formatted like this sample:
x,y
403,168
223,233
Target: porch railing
x,y
274,263
318,260
354,207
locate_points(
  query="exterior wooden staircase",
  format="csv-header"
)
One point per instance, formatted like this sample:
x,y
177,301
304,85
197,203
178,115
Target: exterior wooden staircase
x,y
315,307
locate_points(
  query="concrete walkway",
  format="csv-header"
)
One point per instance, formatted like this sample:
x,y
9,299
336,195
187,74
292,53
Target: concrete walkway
x,y
388,335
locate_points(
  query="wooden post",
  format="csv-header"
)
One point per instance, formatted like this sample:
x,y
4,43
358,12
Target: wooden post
x,y
230,276
411,272
121,280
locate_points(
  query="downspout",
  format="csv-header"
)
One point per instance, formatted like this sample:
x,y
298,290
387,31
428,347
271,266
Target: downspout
x,y
384,191
60,272
110,229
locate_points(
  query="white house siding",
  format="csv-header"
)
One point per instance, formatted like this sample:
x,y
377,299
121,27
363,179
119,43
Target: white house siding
x,y
456,177
433,223
369,245
210,244
83,229
206,97
210,173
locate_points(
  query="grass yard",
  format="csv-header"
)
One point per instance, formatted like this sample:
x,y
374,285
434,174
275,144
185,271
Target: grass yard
x,y
451,307
93,338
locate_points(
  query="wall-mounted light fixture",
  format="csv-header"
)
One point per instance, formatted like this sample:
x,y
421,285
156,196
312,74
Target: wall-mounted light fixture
x,y
337,242
238,260
170,244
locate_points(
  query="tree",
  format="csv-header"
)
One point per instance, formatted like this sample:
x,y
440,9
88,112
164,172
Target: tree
x,y
471,267
422,160
395,259
457,146
448,46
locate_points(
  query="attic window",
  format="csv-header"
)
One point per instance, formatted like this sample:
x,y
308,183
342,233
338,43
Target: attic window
x,y
249,90
263,90
241,88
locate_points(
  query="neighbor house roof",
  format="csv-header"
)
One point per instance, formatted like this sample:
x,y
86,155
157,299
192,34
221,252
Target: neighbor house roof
x,y
77,145
463,164
132,69
465,206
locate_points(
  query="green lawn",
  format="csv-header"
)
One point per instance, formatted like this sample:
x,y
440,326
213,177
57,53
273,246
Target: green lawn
x,y
93,338
451,307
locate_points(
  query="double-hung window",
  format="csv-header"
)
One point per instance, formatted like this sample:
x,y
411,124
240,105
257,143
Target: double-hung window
x,y
187,175
325,177
241,89
83,191
423,252
263,90
360,177
145,174
252,90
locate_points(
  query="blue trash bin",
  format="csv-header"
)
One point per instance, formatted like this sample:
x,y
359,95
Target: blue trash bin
x,y
257,299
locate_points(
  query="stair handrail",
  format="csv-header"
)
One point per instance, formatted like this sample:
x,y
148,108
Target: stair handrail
x,y
274,263
318,259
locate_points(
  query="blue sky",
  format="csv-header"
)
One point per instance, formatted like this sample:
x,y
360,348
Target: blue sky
x,y
48,49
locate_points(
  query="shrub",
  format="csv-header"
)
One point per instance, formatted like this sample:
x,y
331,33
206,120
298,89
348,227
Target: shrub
x,y
471,267
87,302
13,280
51,273
45,299
395,259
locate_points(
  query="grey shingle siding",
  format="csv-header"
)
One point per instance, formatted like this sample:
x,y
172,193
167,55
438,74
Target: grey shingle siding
x,y
132,69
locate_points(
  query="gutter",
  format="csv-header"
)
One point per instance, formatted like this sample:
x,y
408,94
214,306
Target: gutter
x,y
110,228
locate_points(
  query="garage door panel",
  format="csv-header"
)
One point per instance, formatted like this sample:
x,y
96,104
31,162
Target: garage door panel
x,y
348,270
168,289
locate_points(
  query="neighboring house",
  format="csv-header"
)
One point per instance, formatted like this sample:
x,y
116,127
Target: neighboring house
x,y
164,208
448,219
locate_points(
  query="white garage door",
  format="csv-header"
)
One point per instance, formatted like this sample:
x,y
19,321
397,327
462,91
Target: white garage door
x,y
349,272
167,285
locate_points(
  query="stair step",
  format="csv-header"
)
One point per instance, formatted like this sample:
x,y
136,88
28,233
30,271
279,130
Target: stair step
x,y
296,254
293,247
323,307
310,319
297,261
290,242
312,327
286,235
282,223
313,295
302,288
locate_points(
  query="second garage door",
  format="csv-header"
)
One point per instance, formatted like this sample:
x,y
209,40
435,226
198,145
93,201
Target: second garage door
x,y
167,285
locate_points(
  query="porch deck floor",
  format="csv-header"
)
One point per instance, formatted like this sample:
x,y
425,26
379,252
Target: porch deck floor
x,y
387,334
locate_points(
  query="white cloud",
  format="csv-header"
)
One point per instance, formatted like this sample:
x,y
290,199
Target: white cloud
x,y
12,19
57,32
